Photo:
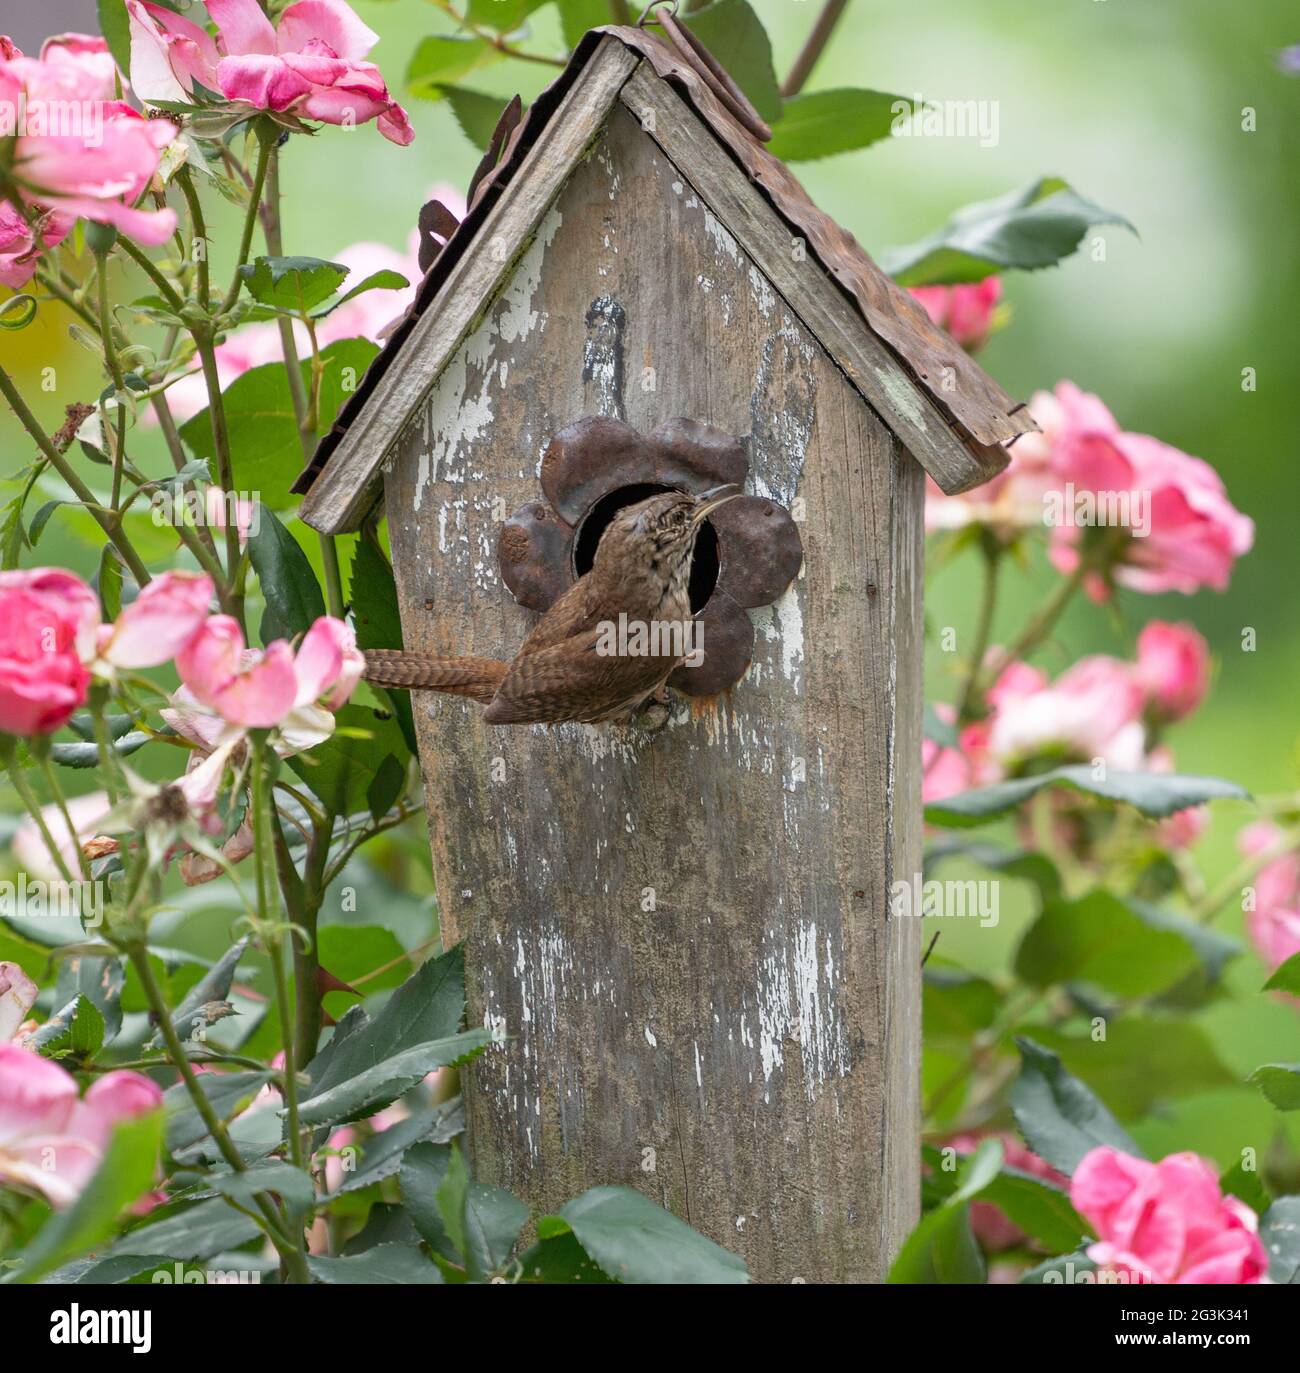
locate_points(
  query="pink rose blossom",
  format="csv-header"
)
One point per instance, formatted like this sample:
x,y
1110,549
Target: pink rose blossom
x,y
161,620
261,689
50,1140
1173,666
1166,1222
47,626
312,64
22,241
966,312
95,155
17,997
1093,710
1274,922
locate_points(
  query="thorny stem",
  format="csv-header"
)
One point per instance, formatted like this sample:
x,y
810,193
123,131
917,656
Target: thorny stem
x,y
200,233
969,699
106,521
221,444
32,802
495,39
265,147
142,260
52,782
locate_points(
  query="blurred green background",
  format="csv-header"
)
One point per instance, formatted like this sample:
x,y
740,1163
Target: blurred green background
x,y
1138,105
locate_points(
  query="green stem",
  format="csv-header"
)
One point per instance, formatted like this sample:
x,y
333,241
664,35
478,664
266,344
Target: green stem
x,y
142,260
814,47
265,147
52,783
269,912
968,702
221,445
103,518
33,804
1205,910
199,233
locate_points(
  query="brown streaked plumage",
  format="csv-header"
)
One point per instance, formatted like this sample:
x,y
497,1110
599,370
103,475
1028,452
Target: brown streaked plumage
x,y
641,571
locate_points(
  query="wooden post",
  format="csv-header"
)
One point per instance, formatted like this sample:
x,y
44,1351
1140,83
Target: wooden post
x,y
684,937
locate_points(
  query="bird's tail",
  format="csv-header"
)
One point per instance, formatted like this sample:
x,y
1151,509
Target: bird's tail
x,y
477,678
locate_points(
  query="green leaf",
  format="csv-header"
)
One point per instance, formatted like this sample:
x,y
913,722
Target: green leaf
x,y
493,1220
942,1248
835,121
116,28
636,1241
476,113
956,1004
560,1259
939,730
1155,794
381,1085
385,1154
503,15
100,981
266,449
292,283
1036,226
291,1183
1068,1268
385,787
425,1167
127,1171
1245,1185
442,60
427,1006
190,1233
343,770
450,1201
1142,1061
1280,1083
212,986
293,596
577,16
735,36
383,280
77,1031
1100,940
378,622
87,755
41,519
1279,1231
1059,1117
385,1264
356,951
109,583
229,1093
1286,977
1037,1207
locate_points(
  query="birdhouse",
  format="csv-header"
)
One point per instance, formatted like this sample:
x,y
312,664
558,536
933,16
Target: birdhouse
x,y
683,934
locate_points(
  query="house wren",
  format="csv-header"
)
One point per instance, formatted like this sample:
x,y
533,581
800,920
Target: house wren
x,y
610,642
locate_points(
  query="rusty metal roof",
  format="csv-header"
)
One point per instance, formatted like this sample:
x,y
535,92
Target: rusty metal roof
x,y
979,410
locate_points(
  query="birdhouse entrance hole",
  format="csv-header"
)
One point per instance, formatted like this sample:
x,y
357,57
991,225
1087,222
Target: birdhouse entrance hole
x,y
704,563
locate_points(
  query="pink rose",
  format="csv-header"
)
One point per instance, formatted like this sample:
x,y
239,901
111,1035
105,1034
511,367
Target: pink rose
x,y
1173,666
50,1140
47,625
1274,923
95,156
1166,1222
22,241
261,689
161,620
1093,710
966,312
88,55
311,65
17,997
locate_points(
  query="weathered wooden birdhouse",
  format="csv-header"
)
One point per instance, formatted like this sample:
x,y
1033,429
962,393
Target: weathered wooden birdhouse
x,y
684,934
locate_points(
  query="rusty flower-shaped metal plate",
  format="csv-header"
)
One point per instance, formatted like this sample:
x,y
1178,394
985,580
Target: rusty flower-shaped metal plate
x,y
746,556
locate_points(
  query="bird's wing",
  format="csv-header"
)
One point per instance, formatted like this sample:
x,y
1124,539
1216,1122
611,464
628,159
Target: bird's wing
x,y
570,615
572,681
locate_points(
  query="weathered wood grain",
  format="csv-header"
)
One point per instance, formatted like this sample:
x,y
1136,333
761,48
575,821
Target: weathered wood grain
x,y
684,937
345,491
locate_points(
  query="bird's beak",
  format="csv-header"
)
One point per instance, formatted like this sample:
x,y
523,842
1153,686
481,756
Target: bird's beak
x,y
706,504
